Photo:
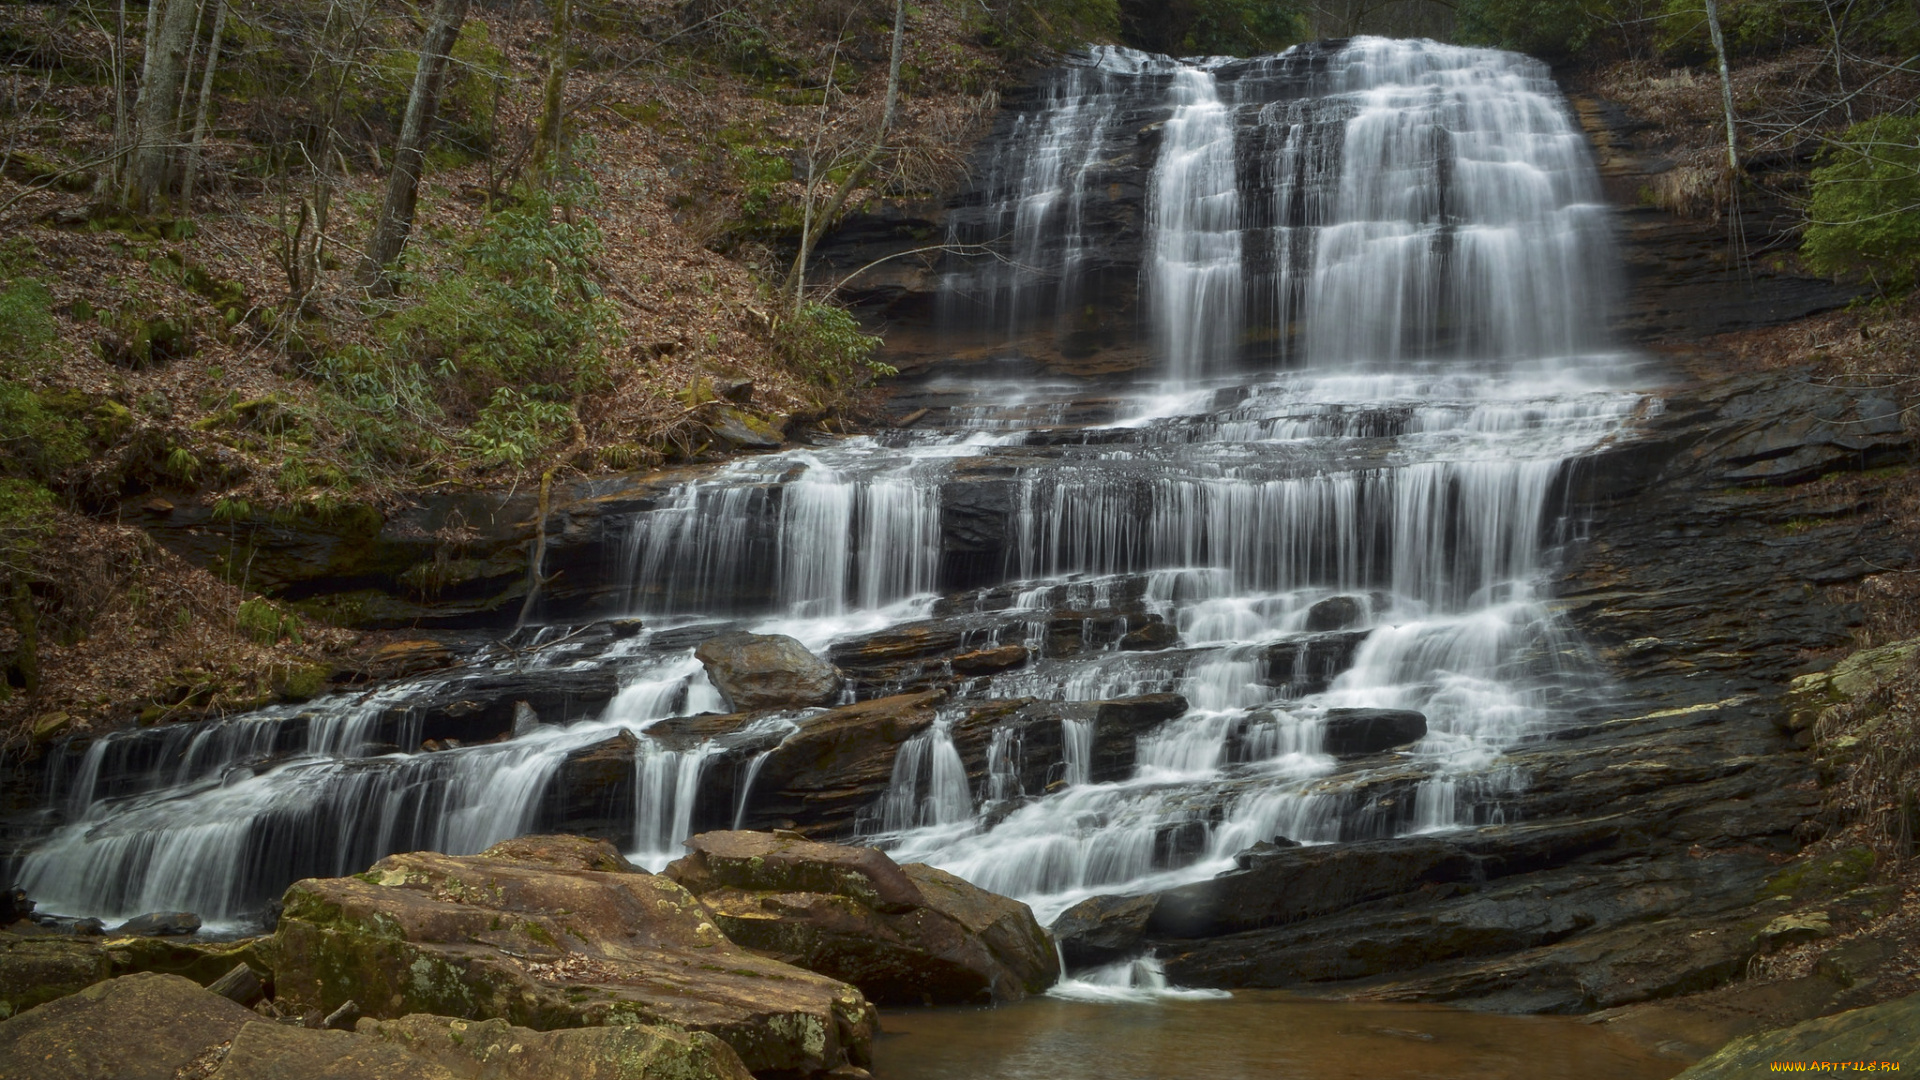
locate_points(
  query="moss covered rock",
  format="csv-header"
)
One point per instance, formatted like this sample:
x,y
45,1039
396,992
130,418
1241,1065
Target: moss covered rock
x,y
496,1050
1882,1034
552,933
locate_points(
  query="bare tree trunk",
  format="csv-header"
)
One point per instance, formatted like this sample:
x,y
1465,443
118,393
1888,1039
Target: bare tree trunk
x,y
193,53
893,66
200,114
814,225
409,153
1726,83
549,141
160,88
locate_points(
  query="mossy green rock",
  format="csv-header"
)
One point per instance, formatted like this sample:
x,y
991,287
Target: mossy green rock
x,y
496,1050
1848,681
1882,1033
902,934
552,933
37,969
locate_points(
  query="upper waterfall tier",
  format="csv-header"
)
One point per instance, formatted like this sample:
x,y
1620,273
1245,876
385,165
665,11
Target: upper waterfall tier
x,y
1342,203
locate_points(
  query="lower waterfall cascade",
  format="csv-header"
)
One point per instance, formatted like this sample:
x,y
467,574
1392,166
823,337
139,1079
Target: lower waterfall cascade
x,y
1376,278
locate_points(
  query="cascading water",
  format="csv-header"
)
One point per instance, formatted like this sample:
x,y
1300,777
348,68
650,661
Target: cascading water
x,y
1375,278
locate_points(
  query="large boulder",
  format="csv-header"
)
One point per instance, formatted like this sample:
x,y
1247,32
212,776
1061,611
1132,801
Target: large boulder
x,y
767,671
137,1027
1883,1034
550,933
1103,929
902,934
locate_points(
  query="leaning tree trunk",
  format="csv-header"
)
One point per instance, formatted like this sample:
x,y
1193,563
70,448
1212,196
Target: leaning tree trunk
x,y
1726,83
160,87
409,152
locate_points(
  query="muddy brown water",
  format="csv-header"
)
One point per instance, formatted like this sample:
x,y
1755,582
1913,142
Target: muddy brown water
x,y
1255,1035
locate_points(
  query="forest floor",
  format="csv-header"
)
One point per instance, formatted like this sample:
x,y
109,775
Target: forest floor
x,y
691,161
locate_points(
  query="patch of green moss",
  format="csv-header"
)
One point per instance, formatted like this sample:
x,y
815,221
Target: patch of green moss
x,y
1809,878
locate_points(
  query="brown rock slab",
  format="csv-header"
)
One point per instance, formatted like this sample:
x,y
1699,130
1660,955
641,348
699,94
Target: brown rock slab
x,y
496,1050
535,933
902,934
137,1027
281,1052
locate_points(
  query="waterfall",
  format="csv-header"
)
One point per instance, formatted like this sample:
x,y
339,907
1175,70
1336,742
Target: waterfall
x,y
1365,286
1195,277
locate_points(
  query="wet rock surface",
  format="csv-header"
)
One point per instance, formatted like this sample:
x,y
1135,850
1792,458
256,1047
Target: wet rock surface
x,y
1354,732
902,934
1648,834
555,932
767,671
1103,929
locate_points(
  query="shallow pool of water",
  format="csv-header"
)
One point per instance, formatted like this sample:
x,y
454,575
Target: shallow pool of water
x,y
1254,1035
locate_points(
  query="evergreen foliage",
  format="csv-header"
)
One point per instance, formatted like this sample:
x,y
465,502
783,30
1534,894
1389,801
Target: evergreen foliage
x,y
1865,214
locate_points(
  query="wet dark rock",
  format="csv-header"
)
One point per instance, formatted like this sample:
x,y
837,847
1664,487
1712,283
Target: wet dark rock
x,y
592,791
902,934
767,671
1156,634
1040,757
14,906
1256,851
839,763
485,707
1285,885
1355,732
1103,929
159,924
1336,613
1308,665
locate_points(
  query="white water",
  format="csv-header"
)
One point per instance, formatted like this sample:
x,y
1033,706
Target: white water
x,y
1439,266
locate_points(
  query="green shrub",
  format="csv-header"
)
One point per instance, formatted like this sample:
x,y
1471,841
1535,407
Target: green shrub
x,y
27,333
1864,216
266,624
826,344
26,519
521,308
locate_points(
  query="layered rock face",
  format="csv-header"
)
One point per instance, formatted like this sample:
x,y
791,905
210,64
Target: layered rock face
x,y
555,932
902,934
